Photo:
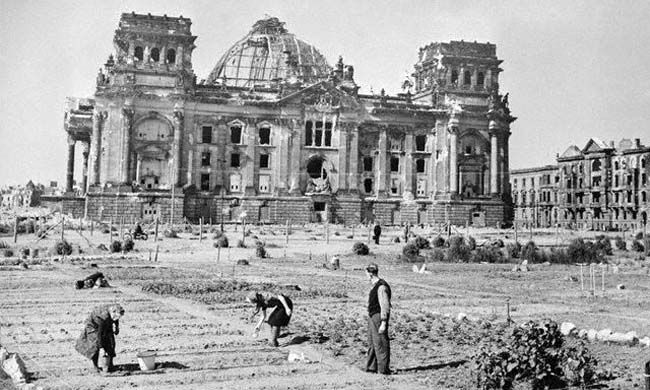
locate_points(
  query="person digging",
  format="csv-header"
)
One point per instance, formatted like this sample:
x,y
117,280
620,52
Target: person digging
x,y
278,316
378,317
97,340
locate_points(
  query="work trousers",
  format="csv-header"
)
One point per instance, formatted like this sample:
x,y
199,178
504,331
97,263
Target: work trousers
x,y
378,346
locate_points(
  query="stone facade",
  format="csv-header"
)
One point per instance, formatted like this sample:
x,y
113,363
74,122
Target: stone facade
x,y
276,133
601,186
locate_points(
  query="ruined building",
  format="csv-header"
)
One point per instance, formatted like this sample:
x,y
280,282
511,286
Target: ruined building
x,y
601,186
274,132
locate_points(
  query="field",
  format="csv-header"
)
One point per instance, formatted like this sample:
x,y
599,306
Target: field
x,y
189,307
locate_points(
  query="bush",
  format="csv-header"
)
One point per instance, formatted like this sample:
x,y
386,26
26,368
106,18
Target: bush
x,y
260,251
396,240
26,227
514,250
437,255
170,233
116,246
487,255
359,248
529,252
8,252
438,242
421,242
217,234
128,245
62,247
240,244
498,243
603,245
638,236
533,354
221,242
411,250
458,250
24,252
580,251
637,246
471,242
620,243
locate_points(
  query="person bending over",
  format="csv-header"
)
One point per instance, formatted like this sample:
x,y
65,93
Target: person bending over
x,y
275,310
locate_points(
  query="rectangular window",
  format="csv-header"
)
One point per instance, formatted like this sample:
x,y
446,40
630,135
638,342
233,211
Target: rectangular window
x,y
367,185
394,186
367,164
206,134
264,160
420,143
421,187
205,159
234,160
265,183
318,134
419,165
235,182
265,136
394,164
328,133
309,135
205,182
395,145
235,134
595,181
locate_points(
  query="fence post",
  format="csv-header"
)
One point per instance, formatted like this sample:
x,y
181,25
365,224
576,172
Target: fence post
x,y
62,226
122,228
110,231
16,230
286,233
200,229
646,375
327,232
156,232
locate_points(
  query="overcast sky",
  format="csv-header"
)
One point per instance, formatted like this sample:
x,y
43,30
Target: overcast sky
x,y
574,69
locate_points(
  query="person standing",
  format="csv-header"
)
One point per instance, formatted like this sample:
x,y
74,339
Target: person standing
x,y
407,228
377,232
97,340
378,317
279,315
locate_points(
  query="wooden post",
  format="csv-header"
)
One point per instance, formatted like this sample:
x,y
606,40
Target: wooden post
x,y
155,258
582,280
530,227
353,231
200,229
327,232
156,231
602,282
218,253
149,254
243,231
646,374
557,234
516,233
16,230
369,232
92,227
62,226
110,231
286,233
122,228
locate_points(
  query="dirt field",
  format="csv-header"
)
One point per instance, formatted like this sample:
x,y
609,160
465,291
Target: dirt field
x,y
188,306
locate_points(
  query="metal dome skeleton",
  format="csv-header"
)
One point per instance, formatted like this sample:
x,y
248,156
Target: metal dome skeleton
x,y
267,54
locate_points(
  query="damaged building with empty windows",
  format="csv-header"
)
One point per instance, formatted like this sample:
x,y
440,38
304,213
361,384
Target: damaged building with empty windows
x,y
275,133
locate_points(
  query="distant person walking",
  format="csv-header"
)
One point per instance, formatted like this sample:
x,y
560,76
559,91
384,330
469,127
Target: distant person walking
x,y
97,341
278,316
378,317
377,232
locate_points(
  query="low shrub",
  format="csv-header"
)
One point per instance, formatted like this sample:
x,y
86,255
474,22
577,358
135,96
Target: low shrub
x,y
260,251
221,242
603,245
218,233
638,236
437,255
498,243
8,252
580,251
3,245
487,255
128,245
24,252
26,227
513,250
620,243
62,247
359,248
529,252
396,240
116,246
411,250
438,242
240,244
471,242
458,250
637,246
421,242
170,233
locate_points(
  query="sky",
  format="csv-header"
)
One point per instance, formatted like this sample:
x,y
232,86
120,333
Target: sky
x,y
574,69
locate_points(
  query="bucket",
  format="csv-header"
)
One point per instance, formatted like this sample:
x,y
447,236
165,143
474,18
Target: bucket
x,y
147,360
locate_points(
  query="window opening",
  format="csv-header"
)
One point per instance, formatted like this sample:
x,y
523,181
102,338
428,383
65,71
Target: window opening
x,y
234,160
205,159
206,134
265,136
367,164
264,160
235,134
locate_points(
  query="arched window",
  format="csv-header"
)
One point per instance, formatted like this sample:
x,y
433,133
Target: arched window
x,y
480,79
171,56
616,165
595,166
155,54
467,78
454,76
139,53
642,162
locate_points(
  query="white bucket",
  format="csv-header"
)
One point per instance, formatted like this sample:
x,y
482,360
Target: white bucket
x,y
147,360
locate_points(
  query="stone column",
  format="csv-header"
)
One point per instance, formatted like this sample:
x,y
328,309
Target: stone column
x,y
138,167
488,78
382,167
85,150
95,145
343,156
250,179
294,162
453,156
494,158
353,167
190,167
176,147
127,122
505,168
70,171
408,163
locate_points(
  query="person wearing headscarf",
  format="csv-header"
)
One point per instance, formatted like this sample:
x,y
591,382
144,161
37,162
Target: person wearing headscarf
x,y
97,340
275,310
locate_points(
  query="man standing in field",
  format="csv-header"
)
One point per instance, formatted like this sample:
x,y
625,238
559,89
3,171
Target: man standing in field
x,y
378,316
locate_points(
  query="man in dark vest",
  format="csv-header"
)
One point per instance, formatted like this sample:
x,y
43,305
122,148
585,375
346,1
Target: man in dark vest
x,y
378,316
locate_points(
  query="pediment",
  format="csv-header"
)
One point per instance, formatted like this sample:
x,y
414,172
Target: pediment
x,y
594,145
322,97
572,151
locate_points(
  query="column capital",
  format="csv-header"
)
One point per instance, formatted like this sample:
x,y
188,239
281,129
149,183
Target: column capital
x,y
71,140
99,116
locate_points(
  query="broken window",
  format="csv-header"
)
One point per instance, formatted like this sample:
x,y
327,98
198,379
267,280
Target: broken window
x,y
644,179
419,165
480,79
421,189
467,78
171,56
235,182
643,197
309,135
234,160
206,134
595,166
596,197
328,133
367,164
595,181
616,165
394,186
155,54
420,143
454,76
265,135
139,53
205,182
318,138
235,134
615,180
205,159
468,149
394,164
264,160
367,185
395,144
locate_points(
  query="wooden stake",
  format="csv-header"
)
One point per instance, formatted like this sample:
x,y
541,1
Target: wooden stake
x,y
110,231
200,229
602,282
582,280
62,226
122,229
218,253
16,230
286,233
155,258
646,374
327,232
156,231
353,231
243,231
